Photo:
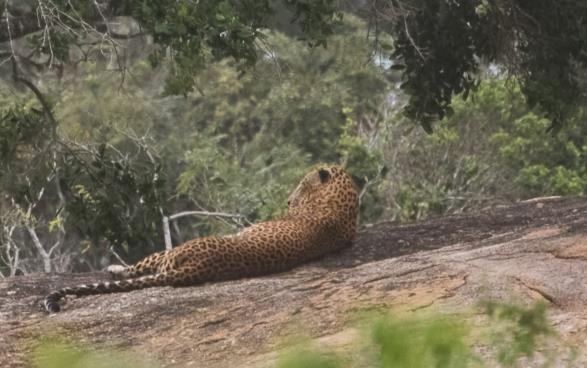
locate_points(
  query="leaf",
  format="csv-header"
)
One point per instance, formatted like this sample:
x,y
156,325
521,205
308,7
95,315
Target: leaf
x,y
427,126
55,224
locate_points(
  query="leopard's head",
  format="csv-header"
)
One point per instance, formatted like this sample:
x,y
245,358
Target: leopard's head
x,y
325,188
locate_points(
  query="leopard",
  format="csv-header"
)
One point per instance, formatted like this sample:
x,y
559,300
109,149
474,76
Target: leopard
x,y
321,218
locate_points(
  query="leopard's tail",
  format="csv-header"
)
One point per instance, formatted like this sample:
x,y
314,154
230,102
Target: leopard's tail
x,y
51,301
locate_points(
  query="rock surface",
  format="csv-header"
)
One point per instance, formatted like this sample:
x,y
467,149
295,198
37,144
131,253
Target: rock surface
x,y
536,250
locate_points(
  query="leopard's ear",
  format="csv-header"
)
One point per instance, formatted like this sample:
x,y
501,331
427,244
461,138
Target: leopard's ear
x,y
324,175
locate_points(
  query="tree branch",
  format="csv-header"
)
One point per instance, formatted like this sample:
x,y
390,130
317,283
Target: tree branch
x,y
166,219
42,252
204,213
25,24
39,95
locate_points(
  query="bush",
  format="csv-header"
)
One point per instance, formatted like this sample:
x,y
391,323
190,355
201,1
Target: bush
x,y
514,333
415,341
491,149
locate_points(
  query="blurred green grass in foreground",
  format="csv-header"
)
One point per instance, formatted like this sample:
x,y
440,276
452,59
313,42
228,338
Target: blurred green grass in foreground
x,y
513,335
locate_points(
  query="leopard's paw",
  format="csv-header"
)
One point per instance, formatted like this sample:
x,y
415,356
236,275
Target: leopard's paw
x,y
117,271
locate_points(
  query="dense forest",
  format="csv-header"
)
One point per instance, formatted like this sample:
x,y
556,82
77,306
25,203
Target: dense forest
x,y
117,118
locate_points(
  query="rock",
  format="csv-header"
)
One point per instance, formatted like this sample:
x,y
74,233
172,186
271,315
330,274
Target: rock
x,y
525,252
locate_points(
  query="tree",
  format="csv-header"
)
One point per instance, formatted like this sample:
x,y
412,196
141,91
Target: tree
x,y
108,191
124,157
441,45
188,33
491,150
98,152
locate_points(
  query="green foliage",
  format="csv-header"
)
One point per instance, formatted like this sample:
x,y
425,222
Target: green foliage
x,y
552,166
99,109
420,200
316,18
25,152
21,128
123,156
238,144
465,165
188,35
113,197
58,46
307,358
257,133
250,184
420,343
443,45
60,354
364,163
306,106
452,37
518,331
442,341
415,341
